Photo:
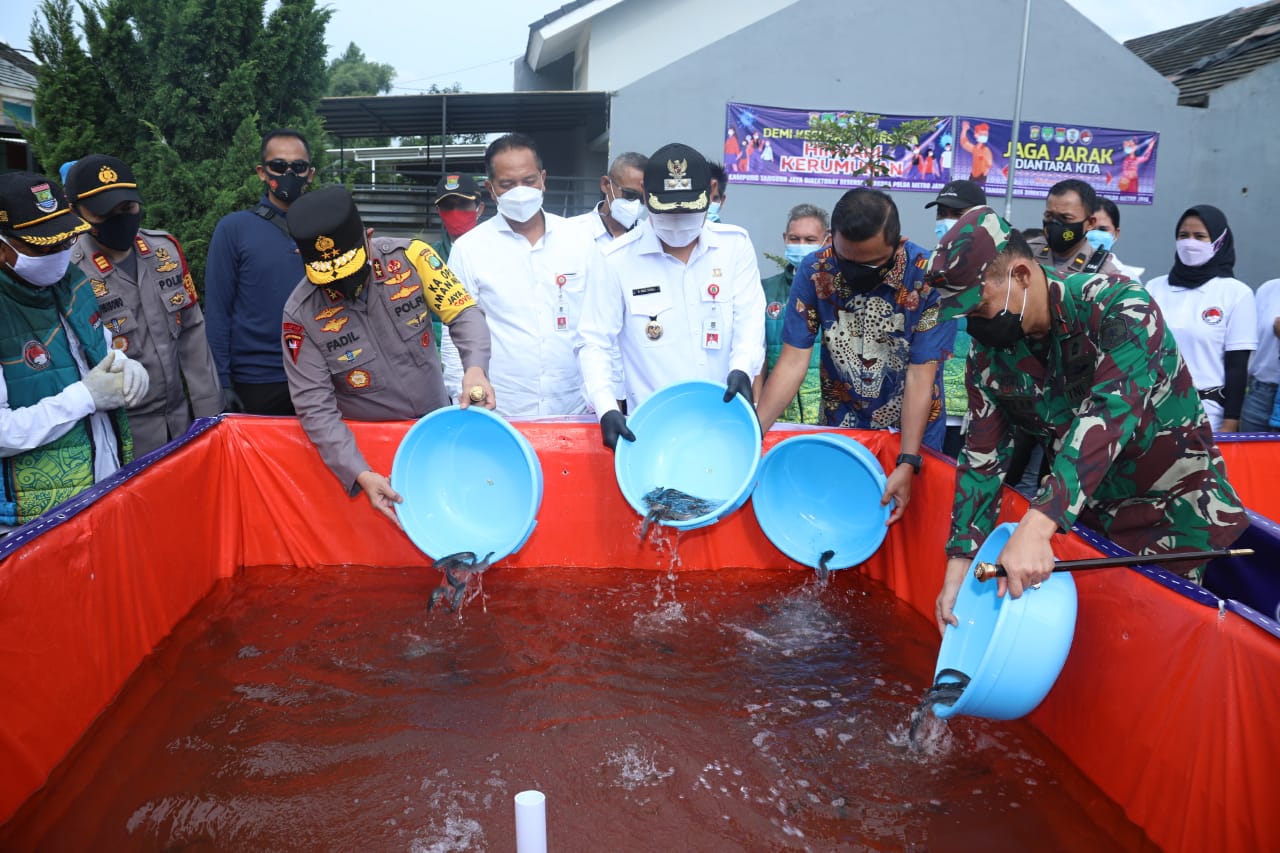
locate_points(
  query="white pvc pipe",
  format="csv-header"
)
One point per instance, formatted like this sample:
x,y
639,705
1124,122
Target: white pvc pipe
x,y
531,822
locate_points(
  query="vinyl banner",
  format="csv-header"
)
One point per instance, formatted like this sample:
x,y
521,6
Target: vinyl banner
x,y
769,145
1118,164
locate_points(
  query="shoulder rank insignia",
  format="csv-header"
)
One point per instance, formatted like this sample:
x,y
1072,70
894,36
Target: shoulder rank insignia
x,y
100,261
143,248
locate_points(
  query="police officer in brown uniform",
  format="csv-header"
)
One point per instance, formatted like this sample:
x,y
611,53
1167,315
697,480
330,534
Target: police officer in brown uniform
x,y
147,300
357,335
1070,211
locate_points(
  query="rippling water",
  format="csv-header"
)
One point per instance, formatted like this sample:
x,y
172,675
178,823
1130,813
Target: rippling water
x,y
657,711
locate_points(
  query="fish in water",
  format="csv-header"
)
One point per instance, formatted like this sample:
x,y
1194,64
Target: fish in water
x,y
672,505
941,693
823,559
458,569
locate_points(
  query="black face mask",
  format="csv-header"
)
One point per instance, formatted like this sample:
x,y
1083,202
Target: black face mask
x,y
1002,331
1062,236
118,230
861,278
287,187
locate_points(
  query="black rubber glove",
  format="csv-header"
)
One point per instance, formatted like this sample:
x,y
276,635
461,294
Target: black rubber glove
x,y
739,383
231,401
614,426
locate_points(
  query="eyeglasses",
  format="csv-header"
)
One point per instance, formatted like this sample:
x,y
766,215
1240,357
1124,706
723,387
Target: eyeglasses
x,y
298,167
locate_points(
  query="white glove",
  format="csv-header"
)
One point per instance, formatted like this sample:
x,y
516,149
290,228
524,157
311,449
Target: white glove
x,y
104,385
136,380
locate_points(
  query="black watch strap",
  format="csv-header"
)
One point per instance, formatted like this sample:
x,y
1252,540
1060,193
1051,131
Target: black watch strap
x,y
911,459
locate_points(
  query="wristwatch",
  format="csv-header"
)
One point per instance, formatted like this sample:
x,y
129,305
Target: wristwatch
x,y
912,459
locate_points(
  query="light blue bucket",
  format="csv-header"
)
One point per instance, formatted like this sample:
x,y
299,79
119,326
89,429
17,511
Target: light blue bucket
x,y
688,438
470,482
821,492
1012,649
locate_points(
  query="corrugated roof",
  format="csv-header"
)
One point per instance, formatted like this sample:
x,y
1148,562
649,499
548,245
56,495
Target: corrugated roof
x,y
468,112
1206,55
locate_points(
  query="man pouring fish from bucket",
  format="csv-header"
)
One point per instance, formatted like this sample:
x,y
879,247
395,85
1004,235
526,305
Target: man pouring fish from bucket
x,y
357,335
1086,362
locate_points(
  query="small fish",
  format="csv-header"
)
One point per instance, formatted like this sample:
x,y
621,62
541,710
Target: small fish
x,y
941,693
458,570
823,559
673,505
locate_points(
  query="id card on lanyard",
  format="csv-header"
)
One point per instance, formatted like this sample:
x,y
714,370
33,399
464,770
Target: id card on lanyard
x,y
712,325
561,312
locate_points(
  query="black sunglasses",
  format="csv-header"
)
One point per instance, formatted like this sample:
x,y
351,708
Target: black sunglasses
x,y
298,167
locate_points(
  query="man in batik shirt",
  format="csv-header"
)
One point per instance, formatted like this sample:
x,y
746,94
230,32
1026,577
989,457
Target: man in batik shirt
x,y
1085,362
882,341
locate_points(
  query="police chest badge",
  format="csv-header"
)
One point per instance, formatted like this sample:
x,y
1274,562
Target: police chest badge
x,y
167,263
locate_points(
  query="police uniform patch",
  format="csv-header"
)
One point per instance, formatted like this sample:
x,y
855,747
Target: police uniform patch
x,y
394,266
35,355
359,379
414,321
120,342
377,269
189,285
334,294
292,334
335,325
99,287
426,338
326,313
350,355
178,298
115,324
167,263
405,292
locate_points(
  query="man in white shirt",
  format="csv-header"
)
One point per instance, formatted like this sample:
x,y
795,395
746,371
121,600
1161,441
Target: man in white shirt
x,y
623,203
681,298
529,271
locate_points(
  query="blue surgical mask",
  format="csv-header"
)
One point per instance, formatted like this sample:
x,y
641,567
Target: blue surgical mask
x,y
797,252
713,212
942,226
1103,240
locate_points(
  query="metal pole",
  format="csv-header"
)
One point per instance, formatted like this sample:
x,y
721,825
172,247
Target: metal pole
x,y
1017,116
444,134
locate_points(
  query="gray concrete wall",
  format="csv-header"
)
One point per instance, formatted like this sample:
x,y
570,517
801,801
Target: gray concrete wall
x,y
876,56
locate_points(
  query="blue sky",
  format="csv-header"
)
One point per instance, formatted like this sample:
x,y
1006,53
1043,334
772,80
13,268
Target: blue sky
x,y
477,49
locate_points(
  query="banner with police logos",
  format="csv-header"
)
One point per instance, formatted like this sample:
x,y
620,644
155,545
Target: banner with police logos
x,y
1118,164
772,145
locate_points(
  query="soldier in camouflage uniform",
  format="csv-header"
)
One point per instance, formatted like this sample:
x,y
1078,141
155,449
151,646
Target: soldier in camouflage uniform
x,y
1087,364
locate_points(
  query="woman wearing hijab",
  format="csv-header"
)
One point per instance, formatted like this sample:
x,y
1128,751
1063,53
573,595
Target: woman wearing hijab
x,y
1210,313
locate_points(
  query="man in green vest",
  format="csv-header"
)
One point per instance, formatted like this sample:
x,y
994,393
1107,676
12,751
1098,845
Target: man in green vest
x,y
808,230
62,389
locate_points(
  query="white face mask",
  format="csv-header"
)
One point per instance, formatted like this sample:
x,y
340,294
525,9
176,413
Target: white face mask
x,y
42,271
520,204
1195,253
625,211
677,230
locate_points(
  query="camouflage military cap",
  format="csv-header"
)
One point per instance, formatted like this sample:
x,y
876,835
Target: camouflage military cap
x,y
962,256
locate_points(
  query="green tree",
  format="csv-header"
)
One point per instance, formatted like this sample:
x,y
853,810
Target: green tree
x,y
859,136
353,74
182,90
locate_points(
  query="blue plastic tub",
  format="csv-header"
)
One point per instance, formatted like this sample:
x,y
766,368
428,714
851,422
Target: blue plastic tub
x,y
821,492
1012,649
688,438
470,482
